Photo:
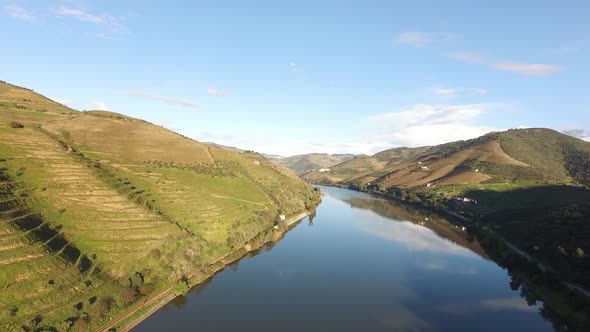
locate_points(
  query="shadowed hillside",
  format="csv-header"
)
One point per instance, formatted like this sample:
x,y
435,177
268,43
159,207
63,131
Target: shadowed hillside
x,y
98,207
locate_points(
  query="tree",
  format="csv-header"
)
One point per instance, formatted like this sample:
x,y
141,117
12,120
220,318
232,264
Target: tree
x,y
99,309
129,295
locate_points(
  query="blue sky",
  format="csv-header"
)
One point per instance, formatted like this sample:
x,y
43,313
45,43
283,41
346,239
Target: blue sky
x,y
310,76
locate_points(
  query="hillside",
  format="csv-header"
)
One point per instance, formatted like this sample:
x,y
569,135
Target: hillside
x,y
304,163
104,209
527,185
514,155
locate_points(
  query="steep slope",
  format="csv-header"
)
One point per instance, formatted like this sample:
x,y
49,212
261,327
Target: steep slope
x,y
514,155
98,207
304,163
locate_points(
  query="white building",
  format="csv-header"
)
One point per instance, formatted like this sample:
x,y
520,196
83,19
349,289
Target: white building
x,y
282,217
323,170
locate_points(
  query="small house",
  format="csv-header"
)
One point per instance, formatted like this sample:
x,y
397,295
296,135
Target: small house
x,y
323,170
282,216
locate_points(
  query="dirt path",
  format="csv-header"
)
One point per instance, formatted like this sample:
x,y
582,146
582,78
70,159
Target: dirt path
x,y
240,200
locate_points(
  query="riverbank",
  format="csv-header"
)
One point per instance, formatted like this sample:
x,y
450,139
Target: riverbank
x,y
148,306
462,220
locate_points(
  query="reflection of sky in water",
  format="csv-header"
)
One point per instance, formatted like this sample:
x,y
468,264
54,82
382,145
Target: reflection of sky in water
x,y
413,237
355,270
508,304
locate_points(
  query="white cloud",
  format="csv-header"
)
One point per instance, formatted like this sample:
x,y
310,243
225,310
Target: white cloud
x,y
168,100
422,39
578,132
454,92
532,69
101,106
19,13
63,101
217,92
418,126
430,124
111,27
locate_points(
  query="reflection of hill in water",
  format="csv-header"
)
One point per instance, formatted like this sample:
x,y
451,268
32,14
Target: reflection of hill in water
x,y
399,212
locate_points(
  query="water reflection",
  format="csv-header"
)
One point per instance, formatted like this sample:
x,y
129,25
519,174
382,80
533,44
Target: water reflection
x,y
415,227
361,264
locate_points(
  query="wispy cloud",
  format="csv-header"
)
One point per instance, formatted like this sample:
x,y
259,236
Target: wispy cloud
x,y
427,124
19,13
111,27
100,106
168,100
527,68
422,39
578,132
533,69
454,92
81,15
217,92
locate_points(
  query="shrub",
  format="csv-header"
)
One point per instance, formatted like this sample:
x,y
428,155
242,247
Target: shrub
x,y
81,325
129,295
16,125
99,309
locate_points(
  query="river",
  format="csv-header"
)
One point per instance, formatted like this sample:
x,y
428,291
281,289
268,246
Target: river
x,y
361,264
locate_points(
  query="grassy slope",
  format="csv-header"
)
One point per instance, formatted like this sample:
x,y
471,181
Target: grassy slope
x,y
514,155
88,200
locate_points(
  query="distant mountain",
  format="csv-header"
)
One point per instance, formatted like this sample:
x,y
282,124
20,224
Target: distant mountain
x,y
515,155
272,156
304,163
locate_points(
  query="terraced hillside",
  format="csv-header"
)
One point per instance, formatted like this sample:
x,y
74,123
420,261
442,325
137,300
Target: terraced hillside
x,y
514,155
98,210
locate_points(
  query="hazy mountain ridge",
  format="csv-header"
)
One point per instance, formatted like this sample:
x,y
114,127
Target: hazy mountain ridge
x,y
304,163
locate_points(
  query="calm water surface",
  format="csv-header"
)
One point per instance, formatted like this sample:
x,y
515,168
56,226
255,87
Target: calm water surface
x,y
362,264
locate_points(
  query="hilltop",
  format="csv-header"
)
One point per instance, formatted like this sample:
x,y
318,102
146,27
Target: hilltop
x,y
305,163
99,210
515,155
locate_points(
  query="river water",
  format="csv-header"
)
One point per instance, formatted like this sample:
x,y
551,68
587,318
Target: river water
x,y
362,264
